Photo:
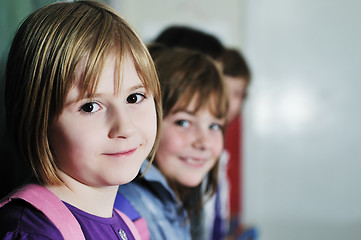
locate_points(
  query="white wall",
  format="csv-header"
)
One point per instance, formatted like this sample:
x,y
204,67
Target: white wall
x,y
149,18
302,119
302,128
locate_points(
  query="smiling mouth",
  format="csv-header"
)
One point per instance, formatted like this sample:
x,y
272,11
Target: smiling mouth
x,y
194,161
121,154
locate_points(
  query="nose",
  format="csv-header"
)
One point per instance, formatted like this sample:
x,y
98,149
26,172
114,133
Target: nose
x,y
202,140
121,124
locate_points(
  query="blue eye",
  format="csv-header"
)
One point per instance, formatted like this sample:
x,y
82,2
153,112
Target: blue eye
x,y
215,127
90,107
135,98
183,123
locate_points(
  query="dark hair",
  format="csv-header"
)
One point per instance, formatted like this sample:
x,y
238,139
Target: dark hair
x,y
187,37
235,65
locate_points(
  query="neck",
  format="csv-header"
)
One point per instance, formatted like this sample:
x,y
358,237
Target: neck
x,y
98,201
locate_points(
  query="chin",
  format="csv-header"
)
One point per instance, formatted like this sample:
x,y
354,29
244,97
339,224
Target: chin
x,y
192,183
123,177
129,177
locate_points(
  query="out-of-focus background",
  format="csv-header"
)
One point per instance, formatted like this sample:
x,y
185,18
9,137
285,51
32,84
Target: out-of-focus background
x,y
302,133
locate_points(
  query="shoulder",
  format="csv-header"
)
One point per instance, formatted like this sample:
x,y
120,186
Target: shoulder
x,y
165,218
135,193
20,220
149,194
139,198
143,190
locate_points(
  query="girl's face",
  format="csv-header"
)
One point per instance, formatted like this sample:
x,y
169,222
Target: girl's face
x,y
103,140
236,87
190,145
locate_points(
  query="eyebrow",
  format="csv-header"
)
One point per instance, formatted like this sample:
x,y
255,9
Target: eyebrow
x,y
94,95
136,87
184,111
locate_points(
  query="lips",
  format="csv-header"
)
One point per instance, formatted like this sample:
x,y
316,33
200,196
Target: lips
x,y
122,153
194,161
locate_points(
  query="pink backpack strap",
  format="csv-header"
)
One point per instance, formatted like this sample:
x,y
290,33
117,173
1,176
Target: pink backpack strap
x,y
131,226
51,206
141,225
123,205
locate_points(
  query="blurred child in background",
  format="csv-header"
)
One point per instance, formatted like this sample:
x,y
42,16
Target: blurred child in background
x,y
221,213
237,76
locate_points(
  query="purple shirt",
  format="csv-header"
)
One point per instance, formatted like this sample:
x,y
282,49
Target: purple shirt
x,y
20,220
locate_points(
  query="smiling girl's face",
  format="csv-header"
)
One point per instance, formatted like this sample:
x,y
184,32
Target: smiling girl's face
x,y
190,144
103,139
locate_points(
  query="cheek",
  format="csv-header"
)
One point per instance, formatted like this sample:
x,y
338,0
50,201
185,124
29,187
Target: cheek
x,y
146,121
238,102
218,145
59,139
235,99
67,146
150,125
71,140
171,142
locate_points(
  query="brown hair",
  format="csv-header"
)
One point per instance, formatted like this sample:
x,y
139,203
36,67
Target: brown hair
x,y
235,65
46,50
183,75
191,38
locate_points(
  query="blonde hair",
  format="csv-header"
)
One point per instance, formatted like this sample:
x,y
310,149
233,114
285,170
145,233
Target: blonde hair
x,y
46,50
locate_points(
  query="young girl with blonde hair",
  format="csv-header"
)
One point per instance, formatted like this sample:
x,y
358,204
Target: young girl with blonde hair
x,y
83,104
